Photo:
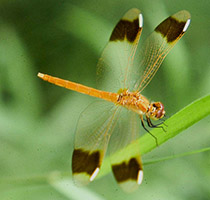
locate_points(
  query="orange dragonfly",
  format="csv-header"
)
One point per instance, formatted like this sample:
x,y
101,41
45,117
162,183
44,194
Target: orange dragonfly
x,y
115,120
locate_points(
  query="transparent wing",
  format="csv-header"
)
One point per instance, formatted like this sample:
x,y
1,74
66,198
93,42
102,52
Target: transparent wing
x,y
157,46
94,128
117,57
127,170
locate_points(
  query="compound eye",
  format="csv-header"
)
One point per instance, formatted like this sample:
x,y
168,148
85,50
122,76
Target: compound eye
x,y
160,114
159,111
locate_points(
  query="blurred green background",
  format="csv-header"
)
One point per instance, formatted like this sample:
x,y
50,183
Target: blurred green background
x,y
38,120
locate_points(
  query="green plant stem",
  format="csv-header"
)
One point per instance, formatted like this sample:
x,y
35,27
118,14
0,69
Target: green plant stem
x,y
176,156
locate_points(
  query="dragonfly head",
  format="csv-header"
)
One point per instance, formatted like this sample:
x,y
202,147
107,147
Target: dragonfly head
x,y
156,110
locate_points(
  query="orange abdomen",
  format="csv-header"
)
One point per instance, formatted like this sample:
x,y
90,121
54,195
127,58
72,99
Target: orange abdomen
x,y
109,96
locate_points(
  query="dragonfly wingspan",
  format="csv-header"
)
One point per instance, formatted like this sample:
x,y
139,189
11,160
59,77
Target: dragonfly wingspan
x,y
94,128
157,46
102,119
117,57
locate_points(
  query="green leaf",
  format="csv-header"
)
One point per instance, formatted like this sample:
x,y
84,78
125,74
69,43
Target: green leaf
x,y
175,125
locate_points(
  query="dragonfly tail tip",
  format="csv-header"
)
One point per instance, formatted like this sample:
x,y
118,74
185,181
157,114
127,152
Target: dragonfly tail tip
x,y
40,75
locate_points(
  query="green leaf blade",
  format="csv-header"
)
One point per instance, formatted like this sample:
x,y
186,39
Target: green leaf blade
x,y
182,120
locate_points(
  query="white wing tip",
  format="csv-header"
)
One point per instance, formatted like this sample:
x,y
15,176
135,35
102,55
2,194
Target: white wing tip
x,y
140,177
94,174
140,20
186,25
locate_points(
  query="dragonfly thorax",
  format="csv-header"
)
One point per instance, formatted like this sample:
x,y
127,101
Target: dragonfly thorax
x,y
138,103
133,101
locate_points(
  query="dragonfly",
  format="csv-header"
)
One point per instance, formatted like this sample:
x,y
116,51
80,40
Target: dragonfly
x,y
112,122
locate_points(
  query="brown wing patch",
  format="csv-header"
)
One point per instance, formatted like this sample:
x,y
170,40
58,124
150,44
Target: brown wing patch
x,y
127,171
171,29
85,161
126,29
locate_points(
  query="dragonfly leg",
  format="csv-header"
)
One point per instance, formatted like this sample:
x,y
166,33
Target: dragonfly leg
x,y
142,123
163,121
151,125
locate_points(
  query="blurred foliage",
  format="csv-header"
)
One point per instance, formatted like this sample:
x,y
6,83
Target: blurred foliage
x,y
38,120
